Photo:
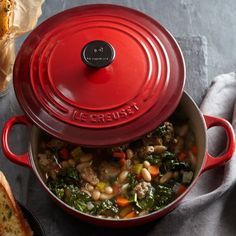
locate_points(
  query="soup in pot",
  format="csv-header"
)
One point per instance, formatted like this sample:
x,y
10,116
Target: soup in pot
x,y
122,182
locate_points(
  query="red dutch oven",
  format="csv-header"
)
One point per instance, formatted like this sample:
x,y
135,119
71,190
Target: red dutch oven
x,y
102,75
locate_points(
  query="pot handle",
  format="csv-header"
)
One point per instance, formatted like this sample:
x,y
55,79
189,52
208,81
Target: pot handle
x,y
211,161
18,159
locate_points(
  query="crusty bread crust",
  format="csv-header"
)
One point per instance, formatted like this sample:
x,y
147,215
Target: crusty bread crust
x,y
6,17
5,188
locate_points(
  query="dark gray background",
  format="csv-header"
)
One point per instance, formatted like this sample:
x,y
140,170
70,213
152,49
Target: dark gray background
x,y
206,32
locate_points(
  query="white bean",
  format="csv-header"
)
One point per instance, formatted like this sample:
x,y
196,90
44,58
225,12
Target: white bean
x,y
146,175
159,148
167,176
86,157
89,187
96,195
123,175
104,196
146,164
108,190
82,166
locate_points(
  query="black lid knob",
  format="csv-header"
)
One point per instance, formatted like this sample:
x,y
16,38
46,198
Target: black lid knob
x,y
98,54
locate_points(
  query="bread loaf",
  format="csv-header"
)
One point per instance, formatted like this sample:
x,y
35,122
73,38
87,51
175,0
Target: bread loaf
x,y
6,14
12,222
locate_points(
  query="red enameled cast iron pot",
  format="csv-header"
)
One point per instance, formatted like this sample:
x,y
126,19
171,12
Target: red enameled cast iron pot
x,y
200,123
102,75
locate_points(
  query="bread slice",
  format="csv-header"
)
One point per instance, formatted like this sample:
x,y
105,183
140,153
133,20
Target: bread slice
x,y
6,16
12,222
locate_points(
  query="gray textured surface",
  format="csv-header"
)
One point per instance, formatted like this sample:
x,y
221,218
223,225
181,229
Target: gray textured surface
x,y
17,175
195,54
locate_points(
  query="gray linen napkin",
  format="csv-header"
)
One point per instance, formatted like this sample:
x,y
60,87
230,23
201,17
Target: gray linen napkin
x,y
210,207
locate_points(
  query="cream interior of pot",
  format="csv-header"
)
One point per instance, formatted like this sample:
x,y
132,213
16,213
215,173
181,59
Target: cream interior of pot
x,y
189,108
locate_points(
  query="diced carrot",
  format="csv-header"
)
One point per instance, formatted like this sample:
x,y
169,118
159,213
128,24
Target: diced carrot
x,y
182,156
121,201
181,190
125,210
132,214
194,150
119,154
64,154
154,170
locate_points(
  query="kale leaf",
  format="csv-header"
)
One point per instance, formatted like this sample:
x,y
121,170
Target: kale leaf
x,y
132,181
167,156
160,131
153,159
69,174
174,165
163,196
106,208
76,198
148,202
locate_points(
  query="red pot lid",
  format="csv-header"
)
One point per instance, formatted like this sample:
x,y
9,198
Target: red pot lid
x,y
99,75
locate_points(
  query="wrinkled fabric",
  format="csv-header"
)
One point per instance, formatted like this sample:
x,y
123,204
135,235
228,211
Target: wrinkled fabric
x,y
210,207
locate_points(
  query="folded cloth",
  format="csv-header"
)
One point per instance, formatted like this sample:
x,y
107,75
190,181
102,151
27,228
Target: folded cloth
x,y
210,207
